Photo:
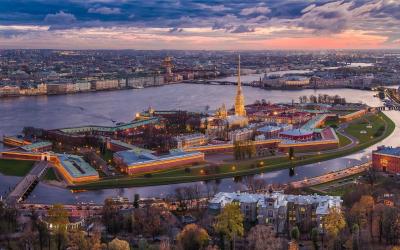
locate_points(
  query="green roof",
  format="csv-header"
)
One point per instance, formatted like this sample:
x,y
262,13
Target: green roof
x,y
124,126
36,145
76,166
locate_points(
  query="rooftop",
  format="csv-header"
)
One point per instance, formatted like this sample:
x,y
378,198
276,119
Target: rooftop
x,y
131,157
325,202
36,145
90,128
76,166
298,132
388,151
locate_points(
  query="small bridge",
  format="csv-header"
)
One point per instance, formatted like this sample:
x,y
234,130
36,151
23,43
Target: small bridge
x,y
28,183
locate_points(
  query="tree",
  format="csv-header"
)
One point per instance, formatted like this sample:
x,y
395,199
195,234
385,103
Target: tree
x,y
263,237
371,176
291,153
356,237
334,222
295,234
361,212
136,199
229,223
165,245
58,220
111,218
151,221
78,241
314,237
117,244
193,237
43,233
391,225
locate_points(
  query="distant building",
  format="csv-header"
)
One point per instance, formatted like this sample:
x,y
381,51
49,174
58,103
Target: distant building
x,y
56,88
144,81
82,86
104,84
9,91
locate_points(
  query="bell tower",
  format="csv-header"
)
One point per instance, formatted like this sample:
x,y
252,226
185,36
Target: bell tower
x,y
239,100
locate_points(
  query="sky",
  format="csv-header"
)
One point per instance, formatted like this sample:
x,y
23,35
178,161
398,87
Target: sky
x,y
200,25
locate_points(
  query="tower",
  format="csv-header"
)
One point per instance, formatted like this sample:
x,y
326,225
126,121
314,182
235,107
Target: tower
x,y
239,100
167,63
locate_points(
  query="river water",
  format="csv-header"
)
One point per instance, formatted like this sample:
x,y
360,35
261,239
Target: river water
x,y
105,107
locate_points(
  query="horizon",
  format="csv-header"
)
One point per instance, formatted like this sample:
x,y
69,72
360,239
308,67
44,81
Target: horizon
x,y
216,25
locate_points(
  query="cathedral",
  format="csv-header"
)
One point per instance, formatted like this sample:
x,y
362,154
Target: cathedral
x,y
222,122
239,119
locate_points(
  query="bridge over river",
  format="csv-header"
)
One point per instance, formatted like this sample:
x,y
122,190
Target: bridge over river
x,y
28,183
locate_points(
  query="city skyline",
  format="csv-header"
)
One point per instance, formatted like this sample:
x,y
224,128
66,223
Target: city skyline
x,y
214,25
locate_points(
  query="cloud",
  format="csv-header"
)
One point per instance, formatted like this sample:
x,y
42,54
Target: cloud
x,y
175,29
215,8
60,18
104,11
332,17
243,29
308,8
203,20
255,10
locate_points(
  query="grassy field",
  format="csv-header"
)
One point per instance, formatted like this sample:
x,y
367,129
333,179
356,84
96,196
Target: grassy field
x,y
14,167
369,124
107,155
343,140
242,168
51,175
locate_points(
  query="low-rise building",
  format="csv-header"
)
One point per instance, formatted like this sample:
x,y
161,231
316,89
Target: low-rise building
x,y
104,84
42,146
240,135
191,140
74,169
146,161
386,159
82,86
272,131
9,91
280,210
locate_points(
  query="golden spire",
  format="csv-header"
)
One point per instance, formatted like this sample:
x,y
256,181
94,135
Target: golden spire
x,y
239,100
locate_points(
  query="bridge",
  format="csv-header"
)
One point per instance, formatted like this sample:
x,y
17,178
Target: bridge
x,y
28,183
332,176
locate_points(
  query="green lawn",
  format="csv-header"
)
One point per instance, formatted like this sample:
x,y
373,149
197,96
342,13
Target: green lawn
x,y
51,175
241,168
362,124
15,167
107,155
343,140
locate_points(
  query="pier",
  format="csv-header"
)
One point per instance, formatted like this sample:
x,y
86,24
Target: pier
x,y
28,183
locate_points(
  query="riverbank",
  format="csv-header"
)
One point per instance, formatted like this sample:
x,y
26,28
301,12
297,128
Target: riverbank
x,y
242,168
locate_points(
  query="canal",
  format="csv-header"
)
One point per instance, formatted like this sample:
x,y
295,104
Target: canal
x,y
105,108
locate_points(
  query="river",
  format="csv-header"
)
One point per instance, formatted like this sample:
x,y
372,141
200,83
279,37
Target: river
x,y
105,107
